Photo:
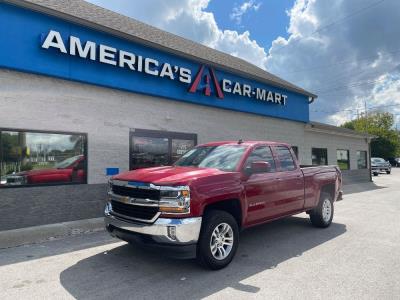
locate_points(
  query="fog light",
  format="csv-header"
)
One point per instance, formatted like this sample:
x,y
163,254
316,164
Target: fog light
x,y
172,232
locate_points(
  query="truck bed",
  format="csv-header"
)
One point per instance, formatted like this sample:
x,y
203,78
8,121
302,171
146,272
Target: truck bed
x,y
318,176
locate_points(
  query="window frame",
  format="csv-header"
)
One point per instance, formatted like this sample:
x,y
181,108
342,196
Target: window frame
x,y
348,159
85,153
326,151
278,161
366,159
150,133
276,169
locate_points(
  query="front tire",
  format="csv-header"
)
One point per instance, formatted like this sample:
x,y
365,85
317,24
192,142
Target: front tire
x,y
322,215
218,241
388,172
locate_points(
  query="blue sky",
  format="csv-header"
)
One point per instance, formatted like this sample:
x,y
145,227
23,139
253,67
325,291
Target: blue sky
x,y
265,25
346,52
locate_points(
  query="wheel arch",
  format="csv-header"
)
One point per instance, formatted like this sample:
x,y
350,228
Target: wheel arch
x,y
231,206
328,189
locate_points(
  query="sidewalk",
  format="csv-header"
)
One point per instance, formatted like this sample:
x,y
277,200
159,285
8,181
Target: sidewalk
x,y
38,234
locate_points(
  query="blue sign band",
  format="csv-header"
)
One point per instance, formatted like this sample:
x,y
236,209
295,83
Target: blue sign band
x,y
42,44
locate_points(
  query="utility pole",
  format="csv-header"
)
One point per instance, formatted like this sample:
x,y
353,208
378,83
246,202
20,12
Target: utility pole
x,y
368,140
366,116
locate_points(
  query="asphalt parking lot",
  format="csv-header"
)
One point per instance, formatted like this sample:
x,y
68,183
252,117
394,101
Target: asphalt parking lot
x,y
358,257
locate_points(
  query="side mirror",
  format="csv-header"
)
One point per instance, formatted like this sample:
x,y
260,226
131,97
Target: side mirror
x,y
260,167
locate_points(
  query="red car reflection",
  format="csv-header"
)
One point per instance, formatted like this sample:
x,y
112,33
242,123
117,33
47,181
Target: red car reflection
x,y
70,170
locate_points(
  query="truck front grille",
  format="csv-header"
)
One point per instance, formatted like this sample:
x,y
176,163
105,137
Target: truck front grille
x,y
134,211
136,192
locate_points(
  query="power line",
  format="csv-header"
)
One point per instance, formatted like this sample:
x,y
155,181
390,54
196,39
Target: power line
x,y
348,16
371,57
354,84
321,28
355,109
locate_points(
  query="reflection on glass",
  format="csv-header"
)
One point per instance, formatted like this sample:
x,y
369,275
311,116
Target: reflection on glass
x,y
180,147
343,159
225,157
41,158
262,153
361,159
285,159
319,156
149,152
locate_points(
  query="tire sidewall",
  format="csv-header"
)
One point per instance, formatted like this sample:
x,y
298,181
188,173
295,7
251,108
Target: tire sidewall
x,y
320,209
212,220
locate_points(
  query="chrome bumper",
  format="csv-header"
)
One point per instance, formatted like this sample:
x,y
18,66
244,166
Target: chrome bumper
x,y
168,231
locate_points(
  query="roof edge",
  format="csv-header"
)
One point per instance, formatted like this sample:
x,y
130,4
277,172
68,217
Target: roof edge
x,y
331,129
106,29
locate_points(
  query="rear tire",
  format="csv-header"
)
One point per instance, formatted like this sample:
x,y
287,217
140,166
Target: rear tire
x,y
376,173
218,241
322,215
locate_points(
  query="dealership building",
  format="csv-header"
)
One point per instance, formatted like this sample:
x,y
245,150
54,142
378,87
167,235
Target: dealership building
x,y
86,93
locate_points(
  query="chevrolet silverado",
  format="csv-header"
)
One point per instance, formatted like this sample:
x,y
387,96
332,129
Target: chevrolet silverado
x,y
197,207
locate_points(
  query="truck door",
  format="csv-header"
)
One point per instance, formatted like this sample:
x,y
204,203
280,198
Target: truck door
x,y
290,181
260,188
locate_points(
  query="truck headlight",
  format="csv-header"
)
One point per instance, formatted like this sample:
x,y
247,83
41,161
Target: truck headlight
x,y
174,200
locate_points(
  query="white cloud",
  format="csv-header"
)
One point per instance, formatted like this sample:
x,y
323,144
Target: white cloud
x,y
189,19
347,52
238,11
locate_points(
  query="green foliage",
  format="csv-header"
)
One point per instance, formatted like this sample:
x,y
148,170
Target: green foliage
x,y
387,141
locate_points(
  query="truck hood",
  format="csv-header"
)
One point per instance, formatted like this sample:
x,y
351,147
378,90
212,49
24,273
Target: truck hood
x,y
168,175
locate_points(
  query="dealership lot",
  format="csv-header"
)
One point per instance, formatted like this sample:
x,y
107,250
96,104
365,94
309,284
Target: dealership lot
x,y
357,257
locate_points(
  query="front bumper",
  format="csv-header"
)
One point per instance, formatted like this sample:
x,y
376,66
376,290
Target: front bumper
x,y
165,231
381,169
175,238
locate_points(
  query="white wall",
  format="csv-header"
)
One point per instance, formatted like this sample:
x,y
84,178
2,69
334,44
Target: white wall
x,y
37,102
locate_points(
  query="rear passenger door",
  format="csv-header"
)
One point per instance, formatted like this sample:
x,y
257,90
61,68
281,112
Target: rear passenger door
x,y
290,181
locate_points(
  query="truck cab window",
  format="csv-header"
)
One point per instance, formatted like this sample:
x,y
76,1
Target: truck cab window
x,y
262,153
285,158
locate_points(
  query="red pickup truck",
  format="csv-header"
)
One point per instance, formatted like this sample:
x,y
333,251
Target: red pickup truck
x,y
197,207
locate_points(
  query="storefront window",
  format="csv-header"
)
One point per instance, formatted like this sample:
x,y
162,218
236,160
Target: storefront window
x,y
180,147
151,148
149,152
319,156
362,160
32,158
343,159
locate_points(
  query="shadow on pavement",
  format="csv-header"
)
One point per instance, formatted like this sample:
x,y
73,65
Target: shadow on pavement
x,y
129,272
361,187
54,247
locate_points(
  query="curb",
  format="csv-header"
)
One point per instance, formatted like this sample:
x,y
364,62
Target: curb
x,y
43,233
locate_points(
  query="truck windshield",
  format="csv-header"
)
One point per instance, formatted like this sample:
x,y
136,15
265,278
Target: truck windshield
x,y
224,157
377,160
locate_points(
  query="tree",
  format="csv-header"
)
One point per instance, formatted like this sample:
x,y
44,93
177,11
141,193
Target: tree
x,y
387,141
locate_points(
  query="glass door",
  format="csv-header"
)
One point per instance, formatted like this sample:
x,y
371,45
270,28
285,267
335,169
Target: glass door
x,y
151,148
